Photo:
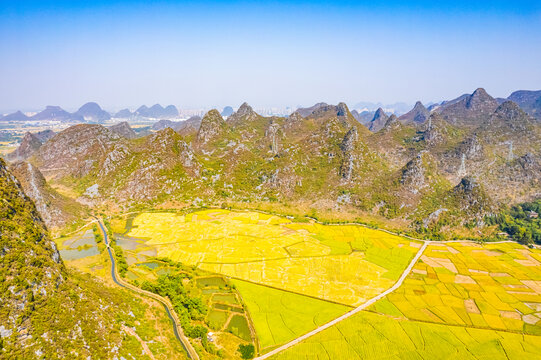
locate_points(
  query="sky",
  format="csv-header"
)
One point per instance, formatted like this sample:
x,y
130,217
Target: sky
x,y
270,53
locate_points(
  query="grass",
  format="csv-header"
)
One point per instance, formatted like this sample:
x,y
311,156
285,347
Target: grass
x,y
280,316
227,298
495,286
238,325
345,264
371,336
217,319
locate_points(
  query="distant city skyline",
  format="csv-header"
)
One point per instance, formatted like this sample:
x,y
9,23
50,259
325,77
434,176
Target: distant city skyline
x,y
127,53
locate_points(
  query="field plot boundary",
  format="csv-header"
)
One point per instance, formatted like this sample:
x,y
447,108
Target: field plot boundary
x,y
287,291
352,312
337,255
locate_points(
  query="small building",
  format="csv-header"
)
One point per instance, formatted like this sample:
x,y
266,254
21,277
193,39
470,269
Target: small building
x,y
533,215
210,336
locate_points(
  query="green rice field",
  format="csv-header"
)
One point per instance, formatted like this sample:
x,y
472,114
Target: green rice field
x,y
280,316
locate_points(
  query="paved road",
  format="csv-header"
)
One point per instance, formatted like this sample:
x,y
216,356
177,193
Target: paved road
x,y
179,333
352,312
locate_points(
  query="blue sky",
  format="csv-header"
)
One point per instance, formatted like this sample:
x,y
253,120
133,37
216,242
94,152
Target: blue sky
x,y
275,53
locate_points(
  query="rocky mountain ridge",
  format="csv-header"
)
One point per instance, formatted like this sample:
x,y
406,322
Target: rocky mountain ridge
x,y
406,170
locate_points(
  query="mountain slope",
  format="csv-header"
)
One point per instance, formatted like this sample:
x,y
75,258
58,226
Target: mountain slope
x,y
56,210
529,101
124,114
92,112
56,113
16,116
29,145
123,129
469,110
418,114
47,310
378,121
325,162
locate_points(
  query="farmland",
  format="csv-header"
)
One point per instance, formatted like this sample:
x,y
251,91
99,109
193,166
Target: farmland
x,y
372,336
461,299
495,286
343,264
280,316
214,304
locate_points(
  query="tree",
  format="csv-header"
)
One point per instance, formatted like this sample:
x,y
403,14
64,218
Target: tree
x,y
246,351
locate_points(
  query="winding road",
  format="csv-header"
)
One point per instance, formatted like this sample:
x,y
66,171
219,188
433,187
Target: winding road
x,y
179,333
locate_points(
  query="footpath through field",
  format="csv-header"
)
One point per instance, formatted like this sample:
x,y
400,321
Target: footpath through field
x,y
352,312
179,333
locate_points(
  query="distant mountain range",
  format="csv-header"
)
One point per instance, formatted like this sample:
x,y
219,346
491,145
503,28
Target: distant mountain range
x,y
364,112
154,112
91,112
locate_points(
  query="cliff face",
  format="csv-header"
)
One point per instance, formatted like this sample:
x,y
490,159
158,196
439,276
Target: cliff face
x,y
56,210
23,232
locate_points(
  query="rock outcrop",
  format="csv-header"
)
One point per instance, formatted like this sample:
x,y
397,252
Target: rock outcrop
x,y
378,121
347,146
29,145
413,174
470,110
244,114
419,114
212,125
123,129
272,135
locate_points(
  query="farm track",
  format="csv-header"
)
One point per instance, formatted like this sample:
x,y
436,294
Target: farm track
x,y
179,333
352,312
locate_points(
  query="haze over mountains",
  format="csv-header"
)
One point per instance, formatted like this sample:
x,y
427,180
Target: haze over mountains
x,y
92,112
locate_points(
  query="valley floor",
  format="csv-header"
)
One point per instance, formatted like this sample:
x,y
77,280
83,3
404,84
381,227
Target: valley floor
x,y
305,290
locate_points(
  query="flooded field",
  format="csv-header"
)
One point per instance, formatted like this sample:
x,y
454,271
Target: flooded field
x,y
78,246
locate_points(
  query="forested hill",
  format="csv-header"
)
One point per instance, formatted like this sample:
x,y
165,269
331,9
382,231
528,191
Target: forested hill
x,y
47,310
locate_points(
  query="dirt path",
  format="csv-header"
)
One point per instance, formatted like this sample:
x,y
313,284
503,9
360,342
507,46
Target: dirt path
x,y
352,312
143,343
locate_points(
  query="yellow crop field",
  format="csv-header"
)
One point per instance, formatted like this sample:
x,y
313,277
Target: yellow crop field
x,y
372,336
495,286
345,264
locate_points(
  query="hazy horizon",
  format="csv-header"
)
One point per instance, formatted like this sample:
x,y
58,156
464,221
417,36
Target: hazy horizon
x,y
126,54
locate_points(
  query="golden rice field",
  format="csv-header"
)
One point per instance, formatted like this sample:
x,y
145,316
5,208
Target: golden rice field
x,y
495,286
371,336
344,264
